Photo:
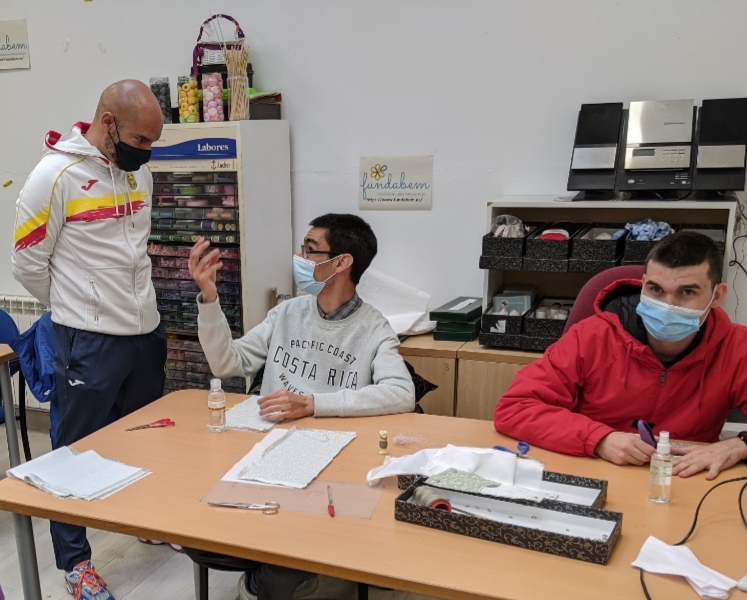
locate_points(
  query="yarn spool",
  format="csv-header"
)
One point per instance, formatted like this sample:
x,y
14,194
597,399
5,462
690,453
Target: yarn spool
x,y
423,496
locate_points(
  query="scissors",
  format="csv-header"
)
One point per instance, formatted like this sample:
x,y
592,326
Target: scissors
x,y
268,508
154,425
522,446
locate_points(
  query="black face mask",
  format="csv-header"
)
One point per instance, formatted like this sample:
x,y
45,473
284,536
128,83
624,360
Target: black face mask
x,y
128,157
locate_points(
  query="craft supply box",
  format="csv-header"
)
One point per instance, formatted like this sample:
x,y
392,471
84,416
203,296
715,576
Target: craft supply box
x,y
594,550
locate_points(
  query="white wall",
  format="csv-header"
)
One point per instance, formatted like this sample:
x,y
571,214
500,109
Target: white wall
x,y
491,88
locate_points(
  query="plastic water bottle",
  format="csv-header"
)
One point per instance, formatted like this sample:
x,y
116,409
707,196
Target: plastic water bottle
x,y
662,460
216,407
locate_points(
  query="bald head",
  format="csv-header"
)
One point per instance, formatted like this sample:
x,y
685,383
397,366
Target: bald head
x,y
129,112
128,100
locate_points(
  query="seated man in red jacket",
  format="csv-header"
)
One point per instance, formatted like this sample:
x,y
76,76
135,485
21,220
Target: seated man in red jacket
x,y
660,350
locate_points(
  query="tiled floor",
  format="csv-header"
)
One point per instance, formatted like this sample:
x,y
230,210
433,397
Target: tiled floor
x,y
134,571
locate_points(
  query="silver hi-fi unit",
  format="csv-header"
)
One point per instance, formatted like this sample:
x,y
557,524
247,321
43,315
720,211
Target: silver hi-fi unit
x,y
658,147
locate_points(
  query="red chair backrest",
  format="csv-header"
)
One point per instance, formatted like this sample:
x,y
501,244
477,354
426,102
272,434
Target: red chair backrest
x,y
583,307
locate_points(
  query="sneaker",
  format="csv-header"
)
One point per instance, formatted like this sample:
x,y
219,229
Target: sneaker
x,y
150,542
177,548
84,583
305,589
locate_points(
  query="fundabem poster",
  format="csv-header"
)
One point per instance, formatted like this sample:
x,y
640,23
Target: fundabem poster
x,y
14,45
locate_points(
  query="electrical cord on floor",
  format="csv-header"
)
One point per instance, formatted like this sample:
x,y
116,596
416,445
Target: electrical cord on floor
x,y
695,520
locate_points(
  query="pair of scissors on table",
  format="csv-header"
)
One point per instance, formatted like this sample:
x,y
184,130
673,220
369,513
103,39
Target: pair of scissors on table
x,y
523,448
154,425
268,508
523,451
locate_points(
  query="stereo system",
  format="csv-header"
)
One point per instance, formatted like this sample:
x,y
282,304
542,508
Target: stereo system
x,y
667,149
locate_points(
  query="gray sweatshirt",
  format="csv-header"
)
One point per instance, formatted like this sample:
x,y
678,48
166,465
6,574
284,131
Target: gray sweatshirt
x,y
351,367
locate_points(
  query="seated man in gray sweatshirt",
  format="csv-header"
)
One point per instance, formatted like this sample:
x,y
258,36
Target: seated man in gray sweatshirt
x,y
326,354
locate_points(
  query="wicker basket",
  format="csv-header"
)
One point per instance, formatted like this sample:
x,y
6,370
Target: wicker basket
x,y
210,51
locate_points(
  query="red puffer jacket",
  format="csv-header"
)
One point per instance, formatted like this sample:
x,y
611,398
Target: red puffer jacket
x,y
598,378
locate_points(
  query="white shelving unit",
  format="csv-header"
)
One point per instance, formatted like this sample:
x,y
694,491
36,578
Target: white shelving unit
x,y
548,209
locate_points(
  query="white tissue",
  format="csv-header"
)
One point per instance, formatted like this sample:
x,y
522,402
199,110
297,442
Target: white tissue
x,y
502,467
661,558
405,307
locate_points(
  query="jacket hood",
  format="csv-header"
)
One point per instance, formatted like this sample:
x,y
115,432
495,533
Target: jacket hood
x,y
717,323
72,142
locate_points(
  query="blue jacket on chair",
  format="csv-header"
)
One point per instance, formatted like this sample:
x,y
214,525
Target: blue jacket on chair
x,y
35,348
8,333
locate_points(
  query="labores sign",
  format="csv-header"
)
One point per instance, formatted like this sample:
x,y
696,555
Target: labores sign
x,y
174,146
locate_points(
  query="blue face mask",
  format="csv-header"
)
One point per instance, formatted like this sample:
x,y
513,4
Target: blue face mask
x,y
303,275
670,323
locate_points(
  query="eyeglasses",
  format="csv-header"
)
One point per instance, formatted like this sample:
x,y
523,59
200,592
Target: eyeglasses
x,y
306,252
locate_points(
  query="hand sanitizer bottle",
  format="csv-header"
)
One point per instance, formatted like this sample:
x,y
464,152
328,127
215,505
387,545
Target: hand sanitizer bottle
x,y
660,485
216,407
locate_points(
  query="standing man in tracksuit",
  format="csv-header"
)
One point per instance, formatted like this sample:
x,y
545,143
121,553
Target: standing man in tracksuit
x,y
81,234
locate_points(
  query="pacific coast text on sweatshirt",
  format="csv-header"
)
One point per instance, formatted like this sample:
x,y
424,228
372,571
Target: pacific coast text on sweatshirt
x,y
351,367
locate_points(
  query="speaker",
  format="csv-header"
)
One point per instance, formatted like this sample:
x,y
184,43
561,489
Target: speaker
x,y
595,147
721,145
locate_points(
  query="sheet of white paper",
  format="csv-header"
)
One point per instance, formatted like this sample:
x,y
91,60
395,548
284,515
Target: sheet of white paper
x,y
95,476
233,473
298,458
246,417
405,307
87,476
56,458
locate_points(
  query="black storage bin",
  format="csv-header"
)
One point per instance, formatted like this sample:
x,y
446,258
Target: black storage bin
x,y
595,256
264,112
592,266
500,340
536,344
502,263
509,330
552,249
502,324
538,265
599,250
507,247
713,231
508,333
541,333
636,252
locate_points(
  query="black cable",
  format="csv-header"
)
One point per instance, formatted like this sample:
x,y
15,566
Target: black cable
x,y
22,415
734,262
695,521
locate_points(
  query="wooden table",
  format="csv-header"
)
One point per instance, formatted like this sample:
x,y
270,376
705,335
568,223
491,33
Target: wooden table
x,y
21,523
187,460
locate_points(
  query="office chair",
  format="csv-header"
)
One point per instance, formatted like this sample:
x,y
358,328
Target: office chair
x,y
583,307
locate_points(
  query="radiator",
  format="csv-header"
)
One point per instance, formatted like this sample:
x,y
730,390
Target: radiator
x,y
24,311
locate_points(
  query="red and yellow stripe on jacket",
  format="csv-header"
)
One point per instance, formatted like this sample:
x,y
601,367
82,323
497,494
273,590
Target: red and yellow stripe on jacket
x,y
96,208
87,209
